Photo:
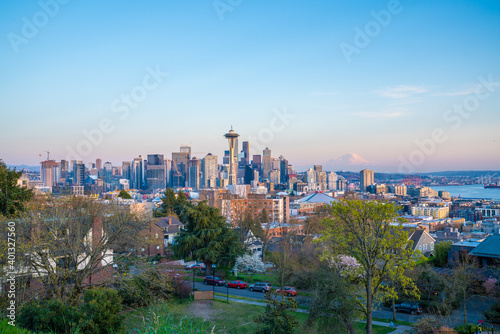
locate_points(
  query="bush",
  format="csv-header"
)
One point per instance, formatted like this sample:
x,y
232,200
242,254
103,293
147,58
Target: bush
x,y
49,316
466,328
5,328
99,313
101,309
426,325
145,288
493,315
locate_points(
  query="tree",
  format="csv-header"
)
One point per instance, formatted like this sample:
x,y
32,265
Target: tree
x,y
70,239
249,264
124,194
333,305
261,231
206,236
172,203
13,198
365,231
441,253
244,223
462,280
278,317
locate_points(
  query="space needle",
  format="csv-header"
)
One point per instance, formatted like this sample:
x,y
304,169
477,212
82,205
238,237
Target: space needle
x,y
232,138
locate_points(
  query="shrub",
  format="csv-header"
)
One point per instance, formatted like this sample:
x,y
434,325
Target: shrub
x,y
426,325
5,328
101,309
466,328
492,316
98,313
145,288
50,316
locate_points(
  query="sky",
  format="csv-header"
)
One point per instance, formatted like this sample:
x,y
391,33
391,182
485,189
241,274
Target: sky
x,y
411,86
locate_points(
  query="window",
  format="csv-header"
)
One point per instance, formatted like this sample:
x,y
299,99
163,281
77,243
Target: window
x,y
142,250
156,235
157,247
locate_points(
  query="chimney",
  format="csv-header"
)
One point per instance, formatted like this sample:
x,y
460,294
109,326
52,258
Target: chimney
x,y
170,221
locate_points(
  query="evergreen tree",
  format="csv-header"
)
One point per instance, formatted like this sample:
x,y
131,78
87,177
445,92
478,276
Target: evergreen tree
x,y
12,197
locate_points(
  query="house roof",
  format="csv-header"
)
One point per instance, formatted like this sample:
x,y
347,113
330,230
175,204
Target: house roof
x,y
490,247
318,198
417,235
169,224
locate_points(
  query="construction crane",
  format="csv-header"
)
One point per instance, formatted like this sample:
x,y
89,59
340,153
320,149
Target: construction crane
x,y
414,180
48,154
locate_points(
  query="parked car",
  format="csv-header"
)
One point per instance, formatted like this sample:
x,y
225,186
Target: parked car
x,y
236,284
261,286
288,290
196,266
412,308
212,280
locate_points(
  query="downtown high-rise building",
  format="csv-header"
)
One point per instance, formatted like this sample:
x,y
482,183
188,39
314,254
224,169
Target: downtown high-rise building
x,y
138,173
78,173
366,178
194,169
98,163
267,163
283,170
179,167
156,178
209,171
50,172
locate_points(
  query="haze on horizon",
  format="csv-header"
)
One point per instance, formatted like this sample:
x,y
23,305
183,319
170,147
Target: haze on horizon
x,y
382,79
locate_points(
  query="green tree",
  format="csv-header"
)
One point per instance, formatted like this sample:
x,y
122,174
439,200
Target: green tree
x,y
206,236
102,308
13,198
278,317
124,194
365,230
333,306
172,203
441,253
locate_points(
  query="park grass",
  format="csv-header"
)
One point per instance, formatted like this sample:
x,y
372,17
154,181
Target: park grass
x,y
230,318
397,322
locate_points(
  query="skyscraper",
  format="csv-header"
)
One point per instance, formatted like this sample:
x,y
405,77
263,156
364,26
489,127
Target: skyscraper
x,y
138,173
156,172
50,172
98,163
209,171
78,173
127,171
194,173
246,153
179,168
267,163
283,170
232,138
366,178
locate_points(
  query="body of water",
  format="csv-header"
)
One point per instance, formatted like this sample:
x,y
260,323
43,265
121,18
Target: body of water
x,y
470,191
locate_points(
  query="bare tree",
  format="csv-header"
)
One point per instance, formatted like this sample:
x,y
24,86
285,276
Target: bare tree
x,y
70,240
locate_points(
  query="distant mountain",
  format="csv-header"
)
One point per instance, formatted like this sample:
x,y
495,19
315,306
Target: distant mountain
x,y
349,162
25,167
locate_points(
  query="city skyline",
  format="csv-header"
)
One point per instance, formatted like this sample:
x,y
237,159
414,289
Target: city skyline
x,y
390,81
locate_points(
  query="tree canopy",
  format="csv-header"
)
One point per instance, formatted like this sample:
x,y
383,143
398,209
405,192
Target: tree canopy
x,y
13,198
124,194
369,232
206,236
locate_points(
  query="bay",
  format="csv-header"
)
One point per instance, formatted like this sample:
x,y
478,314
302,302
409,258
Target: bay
x,y
470,191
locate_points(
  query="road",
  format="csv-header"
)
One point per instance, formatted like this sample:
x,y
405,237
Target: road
x,y
232,292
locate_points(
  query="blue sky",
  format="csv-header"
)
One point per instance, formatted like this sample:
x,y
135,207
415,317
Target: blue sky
x,y
240,62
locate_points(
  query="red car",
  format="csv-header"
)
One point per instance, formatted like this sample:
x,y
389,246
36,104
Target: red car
x,y
287,290
236,284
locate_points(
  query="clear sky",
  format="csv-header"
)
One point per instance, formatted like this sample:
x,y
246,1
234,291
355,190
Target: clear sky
x,y
369,77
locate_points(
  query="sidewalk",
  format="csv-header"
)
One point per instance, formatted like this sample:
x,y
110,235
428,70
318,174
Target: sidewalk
x,y
399,329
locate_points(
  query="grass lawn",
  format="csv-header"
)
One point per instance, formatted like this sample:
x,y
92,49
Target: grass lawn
x,y
398,322
232,318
